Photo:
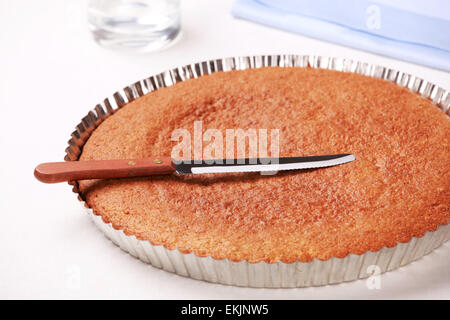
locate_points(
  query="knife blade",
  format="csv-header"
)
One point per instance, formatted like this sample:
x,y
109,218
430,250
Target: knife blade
x,y
262,164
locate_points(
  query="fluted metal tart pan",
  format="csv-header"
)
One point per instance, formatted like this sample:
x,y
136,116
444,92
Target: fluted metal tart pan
x,y
261,274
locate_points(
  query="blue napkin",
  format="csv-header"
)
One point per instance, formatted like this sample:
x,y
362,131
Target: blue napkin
x,y
413,30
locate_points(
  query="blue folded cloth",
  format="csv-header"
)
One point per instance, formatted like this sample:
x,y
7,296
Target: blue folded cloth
x,y
411,30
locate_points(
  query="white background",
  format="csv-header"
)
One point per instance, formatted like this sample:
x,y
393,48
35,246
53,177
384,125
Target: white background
x,y
51,74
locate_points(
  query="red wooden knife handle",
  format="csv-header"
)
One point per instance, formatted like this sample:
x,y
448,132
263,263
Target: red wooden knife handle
x,y
53,172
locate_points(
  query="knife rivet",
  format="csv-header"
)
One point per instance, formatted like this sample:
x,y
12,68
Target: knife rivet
x,y
131,163
158,161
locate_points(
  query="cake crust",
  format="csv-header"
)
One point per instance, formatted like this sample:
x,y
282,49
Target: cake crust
x,y
397,188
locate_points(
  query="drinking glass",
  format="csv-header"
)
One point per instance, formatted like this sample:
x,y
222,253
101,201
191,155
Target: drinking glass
x,y
137,25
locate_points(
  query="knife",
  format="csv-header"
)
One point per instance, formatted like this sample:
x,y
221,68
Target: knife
x,y
53,172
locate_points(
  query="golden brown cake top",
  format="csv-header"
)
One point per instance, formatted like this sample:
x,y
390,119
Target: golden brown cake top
x,y
396,189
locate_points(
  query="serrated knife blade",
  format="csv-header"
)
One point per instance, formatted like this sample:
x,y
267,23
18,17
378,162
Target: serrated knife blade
x,y
261,164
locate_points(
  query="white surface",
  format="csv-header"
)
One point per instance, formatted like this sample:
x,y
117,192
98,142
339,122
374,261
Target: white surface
x,y
49,247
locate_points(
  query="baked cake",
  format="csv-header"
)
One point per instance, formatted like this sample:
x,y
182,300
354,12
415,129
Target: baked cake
x,y
398,188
